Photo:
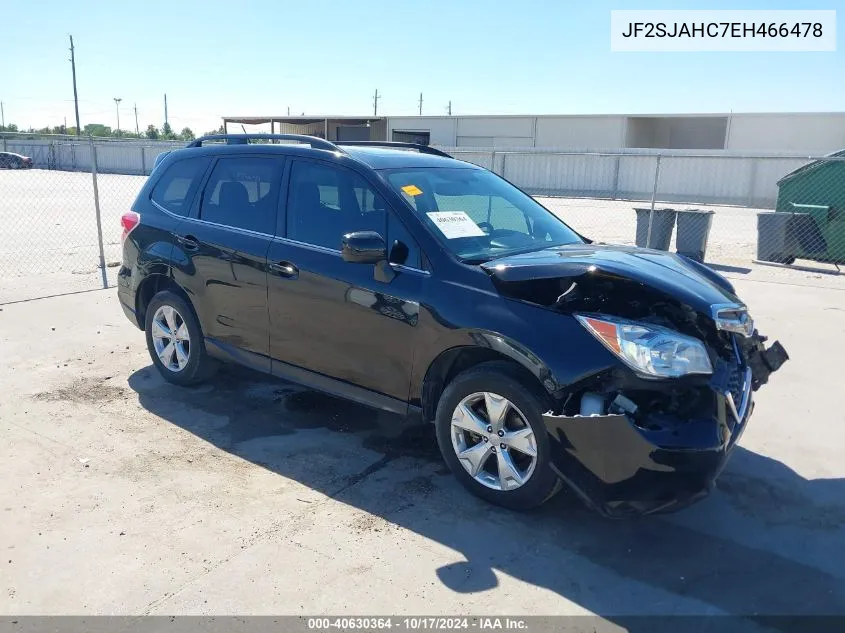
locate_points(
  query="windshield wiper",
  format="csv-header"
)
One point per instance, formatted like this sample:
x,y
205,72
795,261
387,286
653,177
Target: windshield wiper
x,y
474,261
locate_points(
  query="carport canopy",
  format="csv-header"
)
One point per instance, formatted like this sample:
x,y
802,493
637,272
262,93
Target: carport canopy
x,y
332,128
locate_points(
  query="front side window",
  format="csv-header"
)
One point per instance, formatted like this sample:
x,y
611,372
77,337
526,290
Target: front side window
x,y
243,193
477,215
325,202
176,188
402,248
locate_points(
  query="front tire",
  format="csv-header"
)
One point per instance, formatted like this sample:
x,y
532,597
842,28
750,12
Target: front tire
x,y
175,340
491,433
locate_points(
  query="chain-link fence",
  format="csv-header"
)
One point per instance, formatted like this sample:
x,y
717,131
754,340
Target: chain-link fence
x,y
723,209
60,220
60,229
68,153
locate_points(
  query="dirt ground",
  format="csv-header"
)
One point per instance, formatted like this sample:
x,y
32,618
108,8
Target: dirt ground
x,y
122,494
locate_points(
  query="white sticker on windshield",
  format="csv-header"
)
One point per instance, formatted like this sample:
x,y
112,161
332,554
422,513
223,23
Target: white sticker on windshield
x,y
455,224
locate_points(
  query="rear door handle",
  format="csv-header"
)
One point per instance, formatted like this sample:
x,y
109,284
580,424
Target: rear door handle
x,y
188,241
284,269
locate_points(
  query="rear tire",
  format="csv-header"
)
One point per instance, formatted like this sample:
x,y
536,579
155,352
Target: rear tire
x,y
508,474
175,340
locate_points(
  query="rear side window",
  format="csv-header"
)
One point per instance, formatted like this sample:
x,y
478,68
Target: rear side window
x,y
243,193
176,188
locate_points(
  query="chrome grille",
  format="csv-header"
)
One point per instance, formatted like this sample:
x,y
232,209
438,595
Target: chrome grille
x,y
736,382
739,382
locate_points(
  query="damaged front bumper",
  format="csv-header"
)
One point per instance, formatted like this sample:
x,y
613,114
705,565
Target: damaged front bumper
x,y
632,462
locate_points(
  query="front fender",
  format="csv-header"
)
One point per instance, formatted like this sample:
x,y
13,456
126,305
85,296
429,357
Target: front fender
x,y
556,357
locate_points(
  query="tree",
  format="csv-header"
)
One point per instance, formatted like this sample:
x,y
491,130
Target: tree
x,y
96,129
187,134
217,131
9,128
152,132
167,132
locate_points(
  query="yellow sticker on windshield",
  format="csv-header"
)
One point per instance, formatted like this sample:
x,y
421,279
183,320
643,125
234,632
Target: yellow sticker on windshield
x,y
412,190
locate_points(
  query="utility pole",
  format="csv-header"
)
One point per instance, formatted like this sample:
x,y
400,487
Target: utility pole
x,y
288,110
449,108
376,97
75,97
420,104
2,116
137,131
165,108
117,101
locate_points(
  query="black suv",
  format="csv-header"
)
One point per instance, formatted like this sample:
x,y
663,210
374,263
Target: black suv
x,y
398,277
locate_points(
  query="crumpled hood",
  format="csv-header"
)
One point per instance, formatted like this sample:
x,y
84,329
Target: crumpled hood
x,y
689,282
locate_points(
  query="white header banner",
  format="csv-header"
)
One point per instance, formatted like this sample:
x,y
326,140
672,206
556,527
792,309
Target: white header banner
x,y
737,31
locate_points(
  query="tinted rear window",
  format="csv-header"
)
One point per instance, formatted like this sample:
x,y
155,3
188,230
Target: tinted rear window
x,y
243,192
176,188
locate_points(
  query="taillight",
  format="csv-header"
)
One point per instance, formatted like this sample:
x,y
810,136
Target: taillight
x,y
129,221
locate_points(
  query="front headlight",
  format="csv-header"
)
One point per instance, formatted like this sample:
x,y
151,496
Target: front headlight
x,y
649,349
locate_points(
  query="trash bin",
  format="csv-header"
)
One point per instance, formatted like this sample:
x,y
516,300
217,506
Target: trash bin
x,y
662,225
693,233
776,236
821,236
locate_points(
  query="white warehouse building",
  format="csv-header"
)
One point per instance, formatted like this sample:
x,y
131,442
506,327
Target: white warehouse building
x,y
734,159
789,133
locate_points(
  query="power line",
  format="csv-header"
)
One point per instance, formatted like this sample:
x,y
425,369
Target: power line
x,y
117,101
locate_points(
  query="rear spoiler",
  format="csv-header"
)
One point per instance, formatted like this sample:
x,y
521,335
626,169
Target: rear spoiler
x,y
158,160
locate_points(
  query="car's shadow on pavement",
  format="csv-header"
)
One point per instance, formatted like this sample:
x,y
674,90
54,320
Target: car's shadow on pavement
x,y
767,542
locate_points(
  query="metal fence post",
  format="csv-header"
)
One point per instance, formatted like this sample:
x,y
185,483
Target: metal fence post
x,y
504,162
97,211
653,197
143,161
615,193
752,183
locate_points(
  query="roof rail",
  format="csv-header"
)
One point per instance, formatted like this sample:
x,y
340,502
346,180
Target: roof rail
x,y
243,139
422,149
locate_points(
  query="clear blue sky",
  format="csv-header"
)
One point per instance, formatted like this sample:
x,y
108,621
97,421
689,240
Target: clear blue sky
x,y
259,57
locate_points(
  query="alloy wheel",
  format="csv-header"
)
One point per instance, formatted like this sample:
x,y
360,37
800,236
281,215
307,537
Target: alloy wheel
x,y
171,339
493,441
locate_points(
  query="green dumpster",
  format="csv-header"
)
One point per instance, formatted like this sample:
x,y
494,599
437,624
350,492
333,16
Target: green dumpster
x,y
816,192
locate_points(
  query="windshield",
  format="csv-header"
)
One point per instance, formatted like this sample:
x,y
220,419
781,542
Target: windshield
x,y
478,215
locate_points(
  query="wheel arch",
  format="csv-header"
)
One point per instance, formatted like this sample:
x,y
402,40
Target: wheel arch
x,y
451,362
152,285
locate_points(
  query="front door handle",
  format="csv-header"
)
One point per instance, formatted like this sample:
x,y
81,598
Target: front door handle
x,y
284,269
189,242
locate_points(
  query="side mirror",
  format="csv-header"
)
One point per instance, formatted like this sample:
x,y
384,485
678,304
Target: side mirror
x,y
363,247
